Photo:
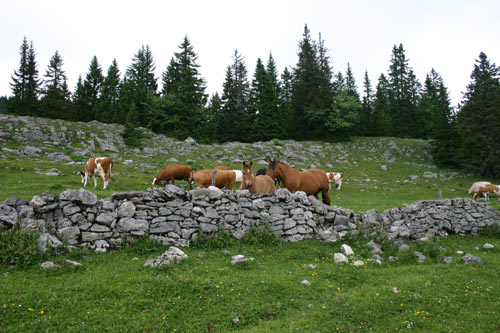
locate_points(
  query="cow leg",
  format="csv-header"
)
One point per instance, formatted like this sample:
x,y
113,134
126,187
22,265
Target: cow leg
x,y
85,179
340,185
106,182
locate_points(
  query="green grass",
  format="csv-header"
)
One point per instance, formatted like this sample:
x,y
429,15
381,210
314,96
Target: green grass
x,y
115,292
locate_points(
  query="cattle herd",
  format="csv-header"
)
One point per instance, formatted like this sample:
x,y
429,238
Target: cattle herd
x,y
264,181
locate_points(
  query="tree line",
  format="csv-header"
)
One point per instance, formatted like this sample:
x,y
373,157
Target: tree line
x,y
309,101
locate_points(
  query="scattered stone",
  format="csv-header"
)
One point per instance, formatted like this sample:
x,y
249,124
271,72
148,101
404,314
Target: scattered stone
x,y
305,282
311,266
470,259
346,249
460,252
383,167
239,258
420,256
73,263
339,258
358,263
173,254
395,290
488,246
447,260
236,320
375,247
49,265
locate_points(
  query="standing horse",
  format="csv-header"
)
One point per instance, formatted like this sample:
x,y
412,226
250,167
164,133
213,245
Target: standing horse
x,y
258,184
310,181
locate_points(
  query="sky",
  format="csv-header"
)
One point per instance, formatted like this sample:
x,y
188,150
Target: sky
x,y
446,35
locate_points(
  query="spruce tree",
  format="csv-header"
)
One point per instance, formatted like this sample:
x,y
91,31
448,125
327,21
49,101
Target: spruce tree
x,y
56,96
233,125
479,119
183,80
92,86
285,101
443,126
109,100
381,113
403,95
79,102
305,109
366,117
25,83
350,82
140,84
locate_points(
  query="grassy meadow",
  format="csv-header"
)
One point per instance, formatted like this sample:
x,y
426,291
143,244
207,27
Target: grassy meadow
x,y
114,292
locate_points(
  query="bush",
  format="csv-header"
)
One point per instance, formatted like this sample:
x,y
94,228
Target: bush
x,y
219,240
18,248
262,236
141,246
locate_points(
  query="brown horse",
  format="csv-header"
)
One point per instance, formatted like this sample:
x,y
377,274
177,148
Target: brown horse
x,y
258,184
310,181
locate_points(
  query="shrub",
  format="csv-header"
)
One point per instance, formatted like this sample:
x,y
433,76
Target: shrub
x,y
141,246
262,236
18,248
219,240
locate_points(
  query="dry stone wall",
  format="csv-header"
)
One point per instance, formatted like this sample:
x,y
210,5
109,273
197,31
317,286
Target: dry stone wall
x,y
172,216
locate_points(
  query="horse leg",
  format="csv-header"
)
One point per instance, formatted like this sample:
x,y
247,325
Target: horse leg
x,y
326,196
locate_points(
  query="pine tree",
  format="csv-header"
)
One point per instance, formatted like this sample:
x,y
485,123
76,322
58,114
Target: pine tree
x,y
443,126
381,122
404,91
25,83
183,80
306,112
79,102
140,84
109,100
233,125
350,82
214,110
56,96
366,117
285,101
479,119
92,86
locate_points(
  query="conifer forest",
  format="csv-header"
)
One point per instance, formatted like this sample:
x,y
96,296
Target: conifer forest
x,y
307,101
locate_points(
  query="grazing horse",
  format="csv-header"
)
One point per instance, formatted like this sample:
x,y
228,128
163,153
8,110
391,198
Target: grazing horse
x,y
310,181
258,184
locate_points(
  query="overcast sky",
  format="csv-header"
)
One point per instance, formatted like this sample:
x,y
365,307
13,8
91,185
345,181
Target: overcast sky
x,y
446,35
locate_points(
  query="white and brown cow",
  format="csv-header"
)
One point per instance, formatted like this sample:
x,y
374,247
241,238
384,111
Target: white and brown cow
x,y
335,178
486,190
97,166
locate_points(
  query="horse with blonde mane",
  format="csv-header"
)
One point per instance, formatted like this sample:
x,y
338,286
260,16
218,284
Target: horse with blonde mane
x,y
257,184
311,181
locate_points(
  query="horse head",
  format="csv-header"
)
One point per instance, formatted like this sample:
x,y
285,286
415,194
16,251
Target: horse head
x,y
272,169
247,174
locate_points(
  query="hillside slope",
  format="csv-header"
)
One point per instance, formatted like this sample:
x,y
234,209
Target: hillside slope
x,y
379,173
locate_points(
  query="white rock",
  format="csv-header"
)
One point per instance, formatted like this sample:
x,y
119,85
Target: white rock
x,y
339,257
238,258
73,263
305,282
460,252
347,250
49,264
395,290
311,266
488,246
358,263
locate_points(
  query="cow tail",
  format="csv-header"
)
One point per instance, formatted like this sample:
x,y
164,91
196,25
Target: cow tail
x,y
214,174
